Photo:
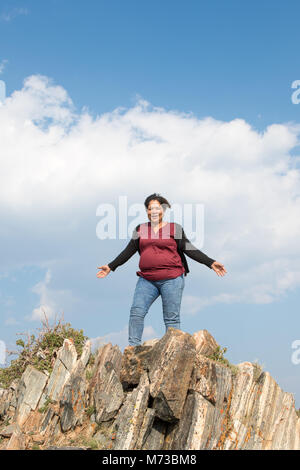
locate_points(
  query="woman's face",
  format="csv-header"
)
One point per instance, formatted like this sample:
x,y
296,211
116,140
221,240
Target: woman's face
x,y
155,211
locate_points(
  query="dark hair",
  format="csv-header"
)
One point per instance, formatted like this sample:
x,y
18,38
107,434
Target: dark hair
x,y
159,198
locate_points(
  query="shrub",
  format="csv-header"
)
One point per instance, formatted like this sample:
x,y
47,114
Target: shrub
x,y
218,355
40,351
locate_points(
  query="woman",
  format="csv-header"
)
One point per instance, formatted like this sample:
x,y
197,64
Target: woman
x,y
162,247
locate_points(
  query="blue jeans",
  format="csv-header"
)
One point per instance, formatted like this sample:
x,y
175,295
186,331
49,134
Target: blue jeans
x,y
145,294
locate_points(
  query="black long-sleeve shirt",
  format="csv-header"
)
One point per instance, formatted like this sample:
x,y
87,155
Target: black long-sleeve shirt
x,y
184,247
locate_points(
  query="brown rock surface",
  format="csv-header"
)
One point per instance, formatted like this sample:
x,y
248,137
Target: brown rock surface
x,y
166,394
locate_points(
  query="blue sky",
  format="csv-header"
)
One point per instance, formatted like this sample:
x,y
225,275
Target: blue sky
x,y
208,84
224,59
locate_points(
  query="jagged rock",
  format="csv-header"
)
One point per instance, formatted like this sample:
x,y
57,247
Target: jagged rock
x,y
17,440
29,392
166,394
262,415
171,363
145,427
128,423
205,343
85,355
194,431
101,439
205,411
8,397
73,400
7,400
211,379
7,431
134,363
155,439
105,393
63,366
105,353
50,413
52,430
109,353
150,342
108,393
69,389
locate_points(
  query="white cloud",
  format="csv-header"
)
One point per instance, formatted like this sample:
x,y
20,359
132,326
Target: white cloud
x,y
192,304
58,164
50,300
11,14
269,282
47,305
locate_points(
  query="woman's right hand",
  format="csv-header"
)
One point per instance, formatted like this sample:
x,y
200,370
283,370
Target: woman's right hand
x,y
105,270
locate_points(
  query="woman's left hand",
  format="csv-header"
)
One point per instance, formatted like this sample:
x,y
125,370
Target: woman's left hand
x,y
218,268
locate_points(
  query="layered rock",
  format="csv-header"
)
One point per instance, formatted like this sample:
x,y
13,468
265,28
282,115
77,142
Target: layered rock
x,y
166,394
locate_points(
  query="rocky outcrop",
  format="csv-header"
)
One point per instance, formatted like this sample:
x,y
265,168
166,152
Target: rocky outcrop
x,y
166,394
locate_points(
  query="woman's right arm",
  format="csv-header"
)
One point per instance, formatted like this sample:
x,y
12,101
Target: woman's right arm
x,y
124,256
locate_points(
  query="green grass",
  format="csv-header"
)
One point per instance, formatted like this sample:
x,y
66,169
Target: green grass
x,y
46,405
90,410
218,356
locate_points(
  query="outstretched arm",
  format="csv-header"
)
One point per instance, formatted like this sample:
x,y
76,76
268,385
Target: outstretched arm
x,y
120,259
128,251
124,256
190,250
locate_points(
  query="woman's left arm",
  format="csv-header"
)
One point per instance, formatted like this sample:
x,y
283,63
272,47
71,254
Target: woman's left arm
x,y
190,250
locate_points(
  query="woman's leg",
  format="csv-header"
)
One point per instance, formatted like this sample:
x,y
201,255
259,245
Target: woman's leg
x,y
171,294
144,295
